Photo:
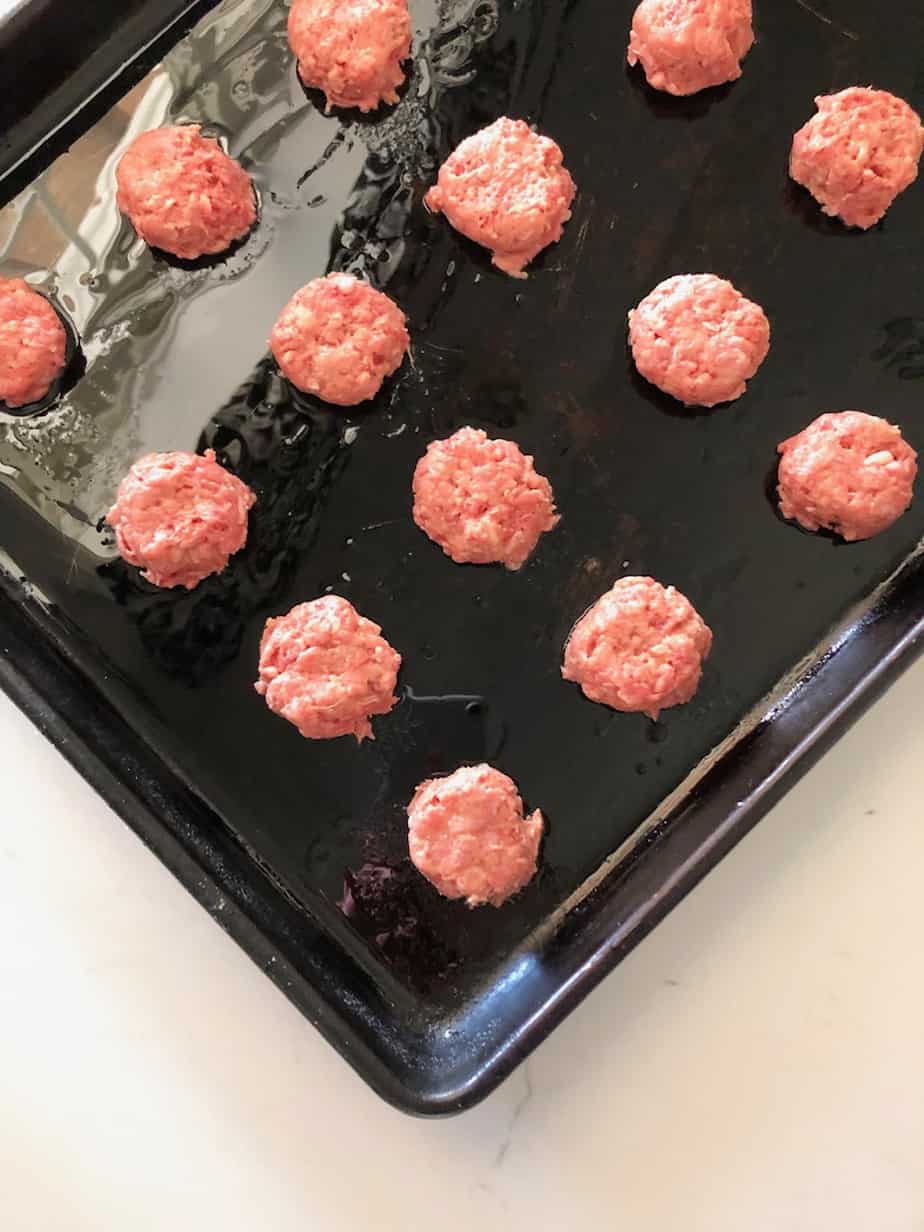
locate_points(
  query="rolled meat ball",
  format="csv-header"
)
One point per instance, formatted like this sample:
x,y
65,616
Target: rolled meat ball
x,y
327,669
685,46
847,472
180,517
481,500
468,836
352,50
697,338
183,193
640,648
857,153
507,189
33,344
338,339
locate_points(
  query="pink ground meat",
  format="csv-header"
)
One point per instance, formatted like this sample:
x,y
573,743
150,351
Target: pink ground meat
x,y
848,472
506,189
327,669
33,344
469,838
183,193
857,153
639,648
179,517
338,338
481,500
688,45
698,339
351,49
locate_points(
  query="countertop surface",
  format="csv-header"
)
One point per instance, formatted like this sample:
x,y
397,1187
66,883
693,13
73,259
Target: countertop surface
x,y
757,1064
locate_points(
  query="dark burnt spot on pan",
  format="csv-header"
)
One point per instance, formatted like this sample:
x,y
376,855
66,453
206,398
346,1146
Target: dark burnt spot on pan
x,y
388,904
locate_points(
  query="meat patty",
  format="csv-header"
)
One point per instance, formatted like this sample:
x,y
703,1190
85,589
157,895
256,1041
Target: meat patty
x,y
33,344
848,472
351,49
338,338
481,500
468,836
857,153
327,669
506,189
697,338
183,193
179,517
688,45
639,648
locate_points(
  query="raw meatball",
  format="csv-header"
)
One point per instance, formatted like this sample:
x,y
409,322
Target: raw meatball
x,y
468,836
639,648
32,344
179,517
698,339
481,500
858,153
688,45
505,188
351,49
327,669
183,193
338,338
848,472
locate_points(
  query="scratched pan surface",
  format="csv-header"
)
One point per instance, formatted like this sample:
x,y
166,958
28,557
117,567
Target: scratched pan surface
x,y
300,847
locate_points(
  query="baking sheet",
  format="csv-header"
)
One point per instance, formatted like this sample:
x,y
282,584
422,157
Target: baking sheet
x,y
174,356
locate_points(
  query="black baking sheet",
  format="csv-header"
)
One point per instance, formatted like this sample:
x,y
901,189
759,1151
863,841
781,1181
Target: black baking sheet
x,y
300,847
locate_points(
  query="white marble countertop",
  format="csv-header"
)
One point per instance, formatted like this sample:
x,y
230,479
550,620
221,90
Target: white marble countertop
x,y
756,1065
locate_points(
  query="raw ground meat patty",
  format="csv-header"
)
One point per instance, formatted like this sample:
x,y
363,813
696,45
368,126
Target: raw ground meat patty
x,y
688,45
848,472
468,836
33,344
857,153
639,648
481,500
183,193
179,517
327,669
351,49
698,339
338,338
506,189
